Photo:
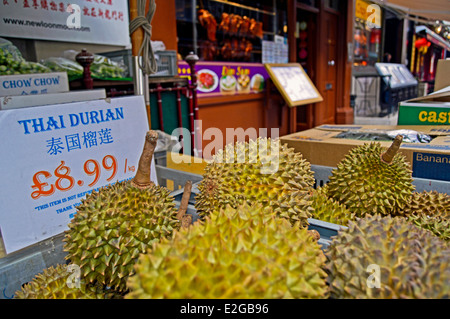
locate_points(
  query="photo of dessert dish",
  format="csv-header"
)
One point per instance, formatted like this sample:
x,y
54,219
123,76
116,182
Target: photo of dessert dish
x,y
243,83
257,83
228,84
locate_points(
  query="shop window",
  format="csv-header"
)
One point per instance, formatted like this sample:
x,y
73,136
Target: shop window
x,y
367,35
332,4
237,30
311,3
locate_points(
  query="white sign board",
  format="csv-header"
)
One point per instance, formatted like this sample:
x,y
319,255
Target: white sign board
x,y
33,84
21,101
52,156
84,21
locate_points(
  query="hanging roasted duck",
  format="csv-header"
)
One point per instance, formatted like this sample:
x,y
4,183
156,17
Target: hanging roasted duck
x,y
209,50
208,22
226,49
224,25
235,23
244,27
256,28
248,50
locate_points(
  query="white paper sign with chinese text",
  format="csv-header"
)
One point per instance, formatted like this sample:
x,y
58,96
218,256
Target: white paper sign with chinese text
x,y
52,156
83,21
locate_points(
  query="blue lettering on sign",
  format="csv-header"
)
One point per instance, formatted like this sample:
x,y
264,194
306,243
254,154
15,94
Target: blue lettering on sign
x,y
51,123
14,84
96,117
46,81
432,166
55,146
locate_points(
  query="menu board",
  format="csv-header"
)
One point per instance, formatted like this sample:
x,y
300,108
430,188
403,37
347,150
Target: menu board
x,y
293,83
395,75
216,78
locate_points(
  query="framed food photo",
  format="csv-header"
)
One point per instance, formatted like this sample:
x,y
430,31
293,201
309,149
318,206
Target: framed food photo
x,y
293,83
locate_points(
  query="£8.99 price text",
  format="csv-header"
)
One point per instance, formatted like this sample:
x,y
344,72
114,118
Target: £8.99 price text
x,y
64,181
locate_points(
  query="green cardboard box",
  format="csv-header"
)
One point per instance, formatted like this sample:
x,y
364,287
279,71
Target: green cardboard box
x,y
433,109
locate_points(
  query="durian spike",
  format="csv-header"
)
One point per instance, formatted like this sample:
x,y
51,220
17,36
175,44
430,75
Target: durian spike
x,y
315,234
142,178
388,156
185,200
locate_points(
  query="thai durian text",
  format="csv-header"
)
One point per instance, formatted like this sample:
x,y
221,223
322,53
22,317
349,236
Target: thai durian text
x,y
58,122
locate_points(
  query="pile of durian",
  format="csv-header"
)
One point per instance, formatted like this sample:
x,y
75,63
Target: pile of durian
x,y
251,240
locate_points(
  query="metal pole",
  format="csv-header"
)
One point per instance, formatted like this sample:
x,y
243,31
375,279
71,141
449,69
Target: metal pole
x,y
194,25
140,80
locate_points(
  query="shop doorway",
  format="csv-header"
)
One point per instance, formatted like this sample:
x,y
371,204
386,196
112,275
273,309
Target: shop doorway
x,y
325,111
321,31
306,48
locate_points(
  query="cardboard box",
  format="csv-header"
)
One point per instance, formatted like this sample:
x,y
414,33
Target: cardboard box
x,y
442,79
16,102
322,146
432,109
32,84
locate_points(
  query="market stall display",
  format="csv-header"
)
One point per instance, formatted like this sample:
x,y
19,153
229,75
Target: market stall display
x,y
12,61
372,180
59,64
119,222
57,277
328,209
245,251
430,210
413,262
102,68
266,172
261,222
248,215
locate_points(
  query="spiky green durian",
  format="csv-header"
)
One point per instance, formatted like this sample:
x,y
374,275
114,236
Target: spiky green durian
x,y
387,257
329,210
372,180
430,210
59,282
258,171
245,252
113,225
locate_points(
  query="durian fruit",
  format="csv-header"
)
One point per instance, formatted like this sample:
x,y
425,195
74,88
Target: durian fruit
x,y
59,282
430,210
327,209
115,224
258,171
387,257
372,180
243,252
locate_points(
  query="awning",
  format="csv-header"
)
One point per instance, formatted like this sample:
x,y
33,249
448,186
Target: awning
x,y
433,37
428,9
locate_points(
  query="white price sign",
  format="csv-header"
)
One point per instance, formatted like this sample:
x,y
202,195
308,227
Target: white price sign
x,y
52,156
84,21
